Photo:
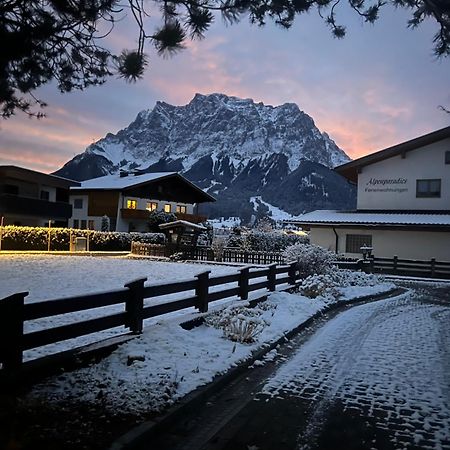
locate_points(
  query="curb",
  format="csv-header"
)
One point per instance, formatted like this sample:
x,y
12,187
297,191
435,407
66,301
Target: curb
x,y
142,433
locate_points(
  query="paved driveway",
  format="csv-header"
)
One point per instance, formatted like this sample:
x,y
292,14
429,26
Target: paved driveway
x,y
376,376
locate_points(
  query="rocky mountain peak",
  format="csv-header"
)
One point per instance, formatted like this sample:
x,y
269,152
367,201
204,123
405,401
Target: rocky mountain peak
x,y
216,140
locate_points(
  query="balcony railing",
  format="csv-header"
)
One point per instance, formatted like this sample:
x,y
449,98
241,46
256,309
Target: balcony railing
x,y
143,214
14,204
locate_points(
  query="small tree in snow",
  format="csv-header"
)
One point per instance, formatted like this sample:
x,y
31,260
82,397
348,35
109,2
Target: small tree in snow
x,y
311,259
105,223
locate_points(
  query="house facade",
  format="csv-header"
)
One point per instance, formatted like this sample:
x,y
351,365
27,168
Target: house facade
x,y
127,199
403,204
31,198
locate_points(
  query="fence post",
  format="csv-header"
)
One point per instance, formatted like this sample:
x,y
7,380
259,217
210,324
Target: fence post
x,y
245,257
201,291
243,282
11,330
272,277
292,271
433,267
372,264
395,264
134,305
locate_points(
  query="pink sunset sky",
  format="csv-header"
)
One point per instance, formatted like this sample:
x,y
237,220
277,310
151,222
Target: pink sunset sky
x,y
377,87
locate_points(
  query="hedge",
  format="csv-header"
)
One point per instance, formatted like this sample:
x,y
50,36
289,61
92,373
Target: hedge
x,y
36,238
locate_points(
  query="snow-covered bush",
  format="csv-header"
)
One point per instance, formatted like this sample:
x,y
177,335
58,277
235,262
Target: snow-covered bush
x,y
157,218
36,238
311,259
238,323
346,277
178,256
317,285
273,241
326,285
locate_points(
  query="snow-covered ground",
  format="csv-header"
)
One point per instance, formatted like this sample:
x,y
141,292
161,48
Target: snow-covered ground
x,y
277,213
387,361
166,361
48,277
230,222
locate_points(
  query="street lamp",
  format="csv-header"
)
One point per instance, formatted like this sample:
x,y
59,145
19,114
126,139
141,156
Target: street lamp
x,y
366,251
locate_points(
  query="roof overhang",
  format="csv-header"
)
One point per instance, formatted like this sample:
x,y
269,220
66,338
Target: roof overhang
x,y
32,176
351,169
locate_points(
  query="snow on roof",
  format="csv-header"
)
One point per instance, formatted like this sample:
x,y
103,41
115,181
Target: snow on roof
x,y
182,222
117,182
355,217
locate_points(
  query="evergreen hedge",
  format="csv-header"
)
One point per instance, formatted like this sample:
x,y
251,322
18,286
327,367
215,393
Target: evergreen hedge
x,y
36,238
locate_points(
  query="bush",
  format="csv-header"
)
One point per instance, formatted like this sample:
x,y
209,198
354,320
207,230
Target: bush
x,y
311,259
316,285
325,285
36,238
238,323
273,241
157,218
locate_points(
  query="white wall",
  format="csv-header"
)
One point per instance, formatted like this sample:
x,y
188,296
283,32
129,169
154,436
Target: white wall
x,y
391,184
387,243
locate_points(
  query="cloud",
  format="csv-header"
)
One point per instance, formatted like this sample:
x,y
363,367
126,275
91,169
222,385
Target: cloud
x,y
377,87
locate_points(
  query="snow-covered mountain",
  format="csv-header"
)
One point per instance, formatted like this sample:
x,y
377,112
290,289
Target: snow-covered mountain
x,y
228,146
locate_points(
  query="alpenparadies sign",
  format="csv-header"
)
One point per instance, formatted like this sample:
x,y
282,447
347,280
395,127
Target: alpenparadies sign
x,y
386,181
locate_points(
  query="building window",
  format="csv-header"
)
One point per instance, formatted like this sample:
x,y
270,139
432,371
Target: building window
x,y
91,225
45,195
447,157
131,204
354,242
181,209
167,208
78,203
152,206
83,225
76,223
428,188
11,189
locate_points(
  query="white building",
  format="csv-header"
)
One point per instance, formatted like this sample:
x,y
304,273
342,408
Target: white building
x,y
403,203
127,199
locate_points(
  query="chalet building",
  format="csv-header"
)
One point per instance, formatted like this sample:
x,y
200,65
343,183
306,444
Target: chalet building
x,y
31,198
127,199
403,204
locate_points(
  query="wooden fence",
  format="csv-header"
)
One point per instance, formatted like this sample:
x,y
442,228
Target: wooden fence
x,y
251,257
168,250
14,311
228,254
411,267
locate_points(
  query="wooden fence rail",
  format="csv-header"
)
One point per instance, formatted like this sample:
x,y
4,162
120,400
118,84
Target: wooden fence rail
x,y
229,254
14,311
412,267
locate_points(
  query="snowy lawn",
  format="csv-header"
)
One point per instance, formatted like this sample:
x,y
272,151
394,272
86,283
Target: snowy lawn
x,y
48,277
166,361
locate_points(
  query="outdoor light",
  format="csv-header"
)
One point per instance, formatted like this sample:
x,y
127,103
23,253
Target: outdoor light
x,y
366,251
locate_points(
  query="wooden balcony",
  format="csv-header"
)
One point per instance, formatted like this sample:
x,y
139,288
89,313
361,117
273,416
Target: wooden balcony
x,y
143,214
15,204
